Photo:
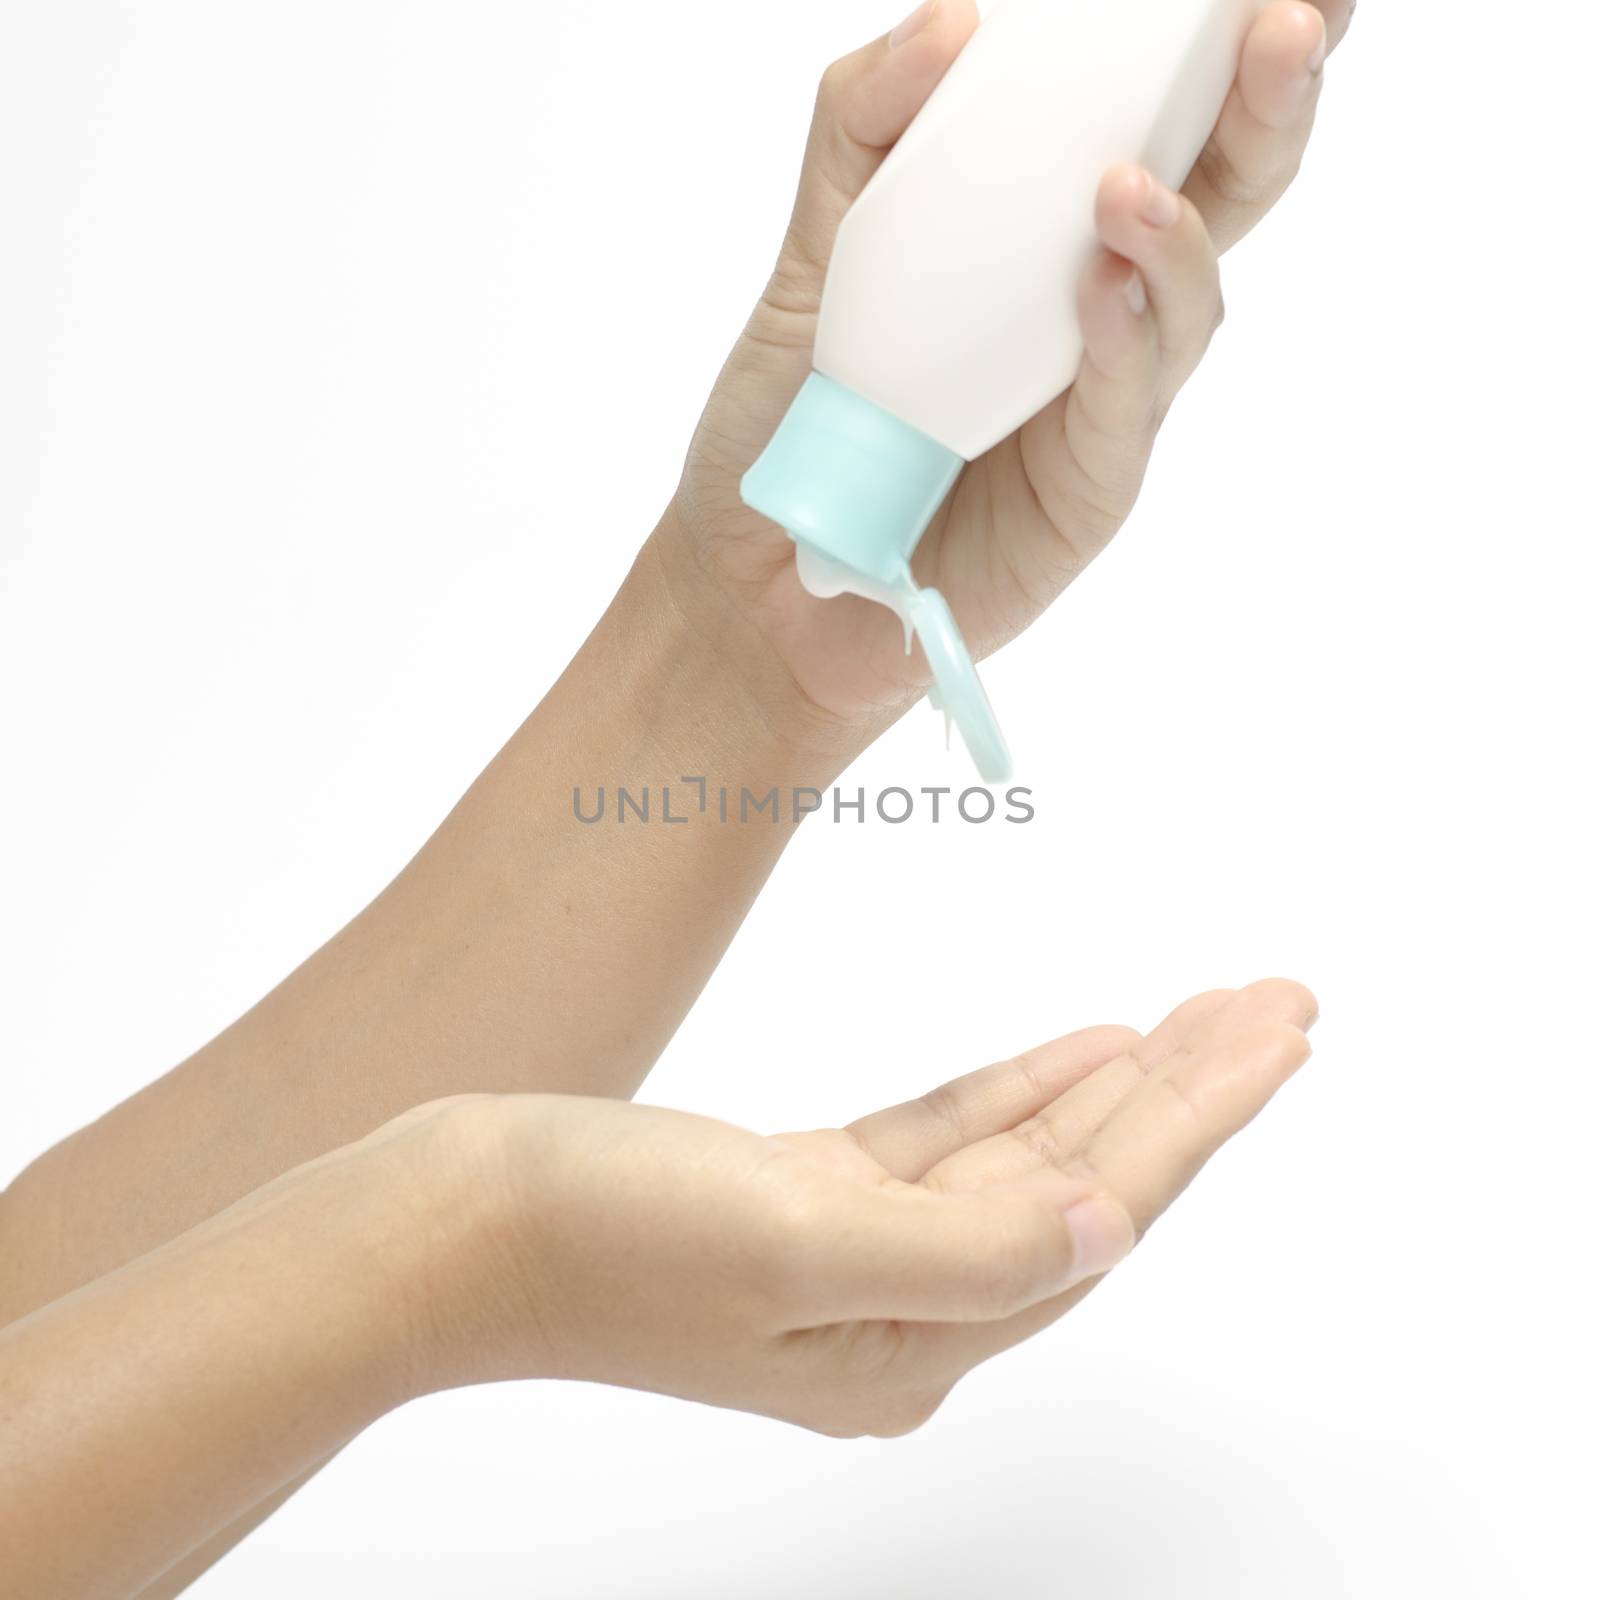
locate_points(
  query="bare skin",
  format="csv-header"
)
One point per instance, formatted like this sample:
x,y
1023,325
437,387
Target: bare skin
x,y
842,1280
520,953
1028,517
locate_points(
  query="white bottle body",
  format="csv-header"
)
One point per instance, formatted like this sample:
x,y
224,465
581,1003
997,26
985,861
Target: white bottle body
x,y
952,295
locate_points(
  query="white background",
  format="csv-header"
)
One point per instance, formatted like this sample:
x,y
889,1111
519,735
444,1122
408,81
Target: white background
x,y
348,350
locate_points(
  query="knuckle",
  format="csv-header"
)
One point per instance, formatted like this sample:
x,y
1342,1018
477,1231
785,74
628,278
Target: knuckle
x,y
1181,1102
1227,180
1039,1139
794,293
944,1105
1025,1070
1101,483
1100,514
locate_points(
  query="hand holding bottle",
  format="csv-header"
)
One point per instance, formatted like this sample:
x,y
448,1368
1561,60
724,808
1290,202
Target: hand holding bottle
x,y
1028,515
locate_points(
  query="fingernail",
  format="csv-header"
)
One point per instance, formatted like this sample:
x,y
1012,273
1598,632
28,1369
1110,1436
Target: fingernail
x,y
1102,1234
1138,295
1161,205
914,24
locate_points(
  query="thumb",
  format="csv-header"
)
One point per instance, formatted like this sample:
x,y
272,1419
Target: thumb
x,y
904,1253
867,100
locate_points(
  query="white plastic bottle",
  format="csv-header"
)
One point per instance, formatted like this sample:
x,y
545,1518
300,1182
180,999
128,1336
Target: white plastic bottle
x,y
949,313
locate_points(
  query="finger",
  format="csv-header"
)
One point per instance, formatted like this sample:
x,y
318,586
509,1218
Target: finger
x,y
1261,137
1053,1136
866,101
1181,1021
1148,307
904,1253
1164,1132
1146,1154
1164,237
906,1140
1071,1127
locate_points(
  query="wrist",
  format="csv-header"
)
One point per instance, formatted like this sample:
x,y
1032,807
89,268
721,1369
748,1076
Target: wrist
x,y
475,1305
675,691
799,740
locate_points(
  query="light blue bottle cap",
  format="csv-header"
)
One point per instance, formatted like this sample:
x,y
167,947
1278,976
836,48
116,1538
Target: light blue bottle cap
x,y
958,690
857,487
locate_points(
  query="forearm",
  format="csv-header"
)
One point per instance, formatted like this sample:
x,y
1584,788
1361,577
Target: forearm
x,y
523,947
520,950
150,1408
